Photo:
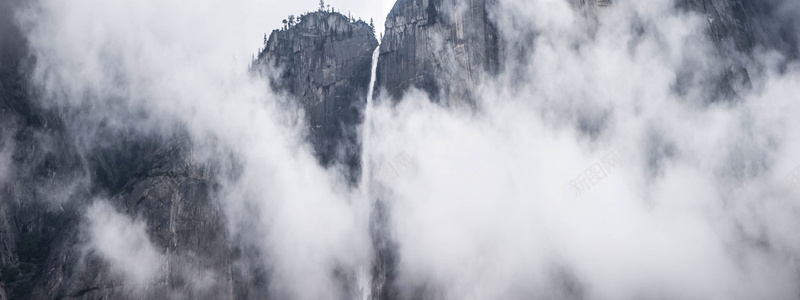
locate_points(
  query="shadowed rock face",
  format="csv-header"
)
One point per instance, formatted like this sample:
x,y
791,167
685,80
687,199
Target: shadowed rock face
x,y
437,46
325,62
47,183
742,25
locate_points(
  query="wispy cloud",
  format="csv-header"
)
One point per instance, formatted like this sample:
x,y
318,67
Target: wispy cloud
x,y
476,199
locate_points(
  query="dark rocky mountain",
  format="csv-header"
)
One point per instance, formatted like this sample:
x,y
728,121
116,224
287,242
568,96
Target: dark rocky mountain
x,y
325,61
173,196
146,176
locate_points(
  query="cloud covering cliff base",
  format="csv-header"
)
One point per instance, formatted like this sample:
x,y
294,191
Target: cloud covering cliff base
x,y
594,166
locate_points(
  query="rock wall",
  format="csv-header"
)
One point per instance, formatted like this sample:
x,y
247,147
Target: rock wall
x,y
47,182
437,46
173,196
325,62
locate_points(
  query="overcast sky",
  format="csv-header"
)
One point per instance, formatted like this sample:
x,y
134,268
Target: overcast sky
x,y
254,18
364,9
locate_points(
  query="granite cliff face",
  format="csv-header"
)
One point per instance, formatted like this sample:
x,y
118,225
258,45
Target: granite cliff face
x,y
437,46
325,62
444,46
172,195
743,25
35,155
51,182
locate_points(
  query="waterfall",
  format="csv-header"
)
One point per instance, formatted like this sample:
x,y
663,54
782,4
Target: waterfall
x,y
367,126
364,276
375,56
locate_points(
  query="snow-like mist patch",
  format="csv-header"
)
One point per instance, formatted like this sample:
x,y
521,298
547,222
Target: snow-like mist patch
x,y
123,243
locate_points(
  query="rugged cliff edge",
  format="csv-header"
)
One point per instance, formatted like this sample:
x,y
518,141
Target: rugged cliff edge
x,y
325,62
437,46
446,46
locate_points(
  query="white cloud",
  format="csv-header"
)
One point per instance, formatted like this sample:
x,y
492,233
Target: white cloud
x,y
487,211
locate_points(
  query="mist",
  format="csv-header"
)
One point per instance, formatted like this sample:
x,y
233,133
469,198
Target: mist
x,y
124,243
520,199
591,167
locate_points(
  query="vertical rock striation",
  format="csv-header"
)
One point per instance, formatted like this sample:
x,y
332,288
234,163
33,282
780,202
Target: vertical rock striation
x,y
739,25
437,46
172,196
47,182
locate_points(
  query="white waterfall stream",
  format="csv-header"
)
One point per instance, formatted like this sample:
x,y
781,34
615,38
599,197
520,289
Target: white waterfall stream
x,y
366,129
364,276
